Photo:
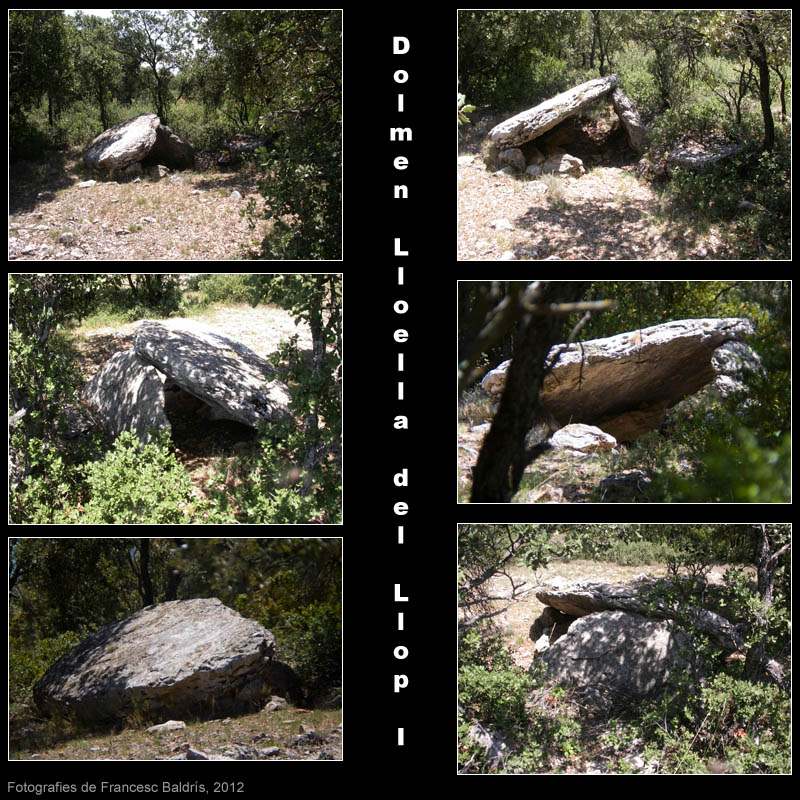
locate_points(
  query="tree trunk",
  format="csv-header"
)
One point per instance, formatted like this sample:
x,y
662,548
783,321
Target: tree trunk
x,y
763,91
173,582
311,425
782,79
503,457
50,121
757,665
145,579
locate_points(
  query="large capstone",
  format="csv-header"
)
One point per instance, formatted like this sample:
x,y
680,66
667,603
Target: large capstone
x,y
127,394
133,141
614,657
226,375
624,384
171,660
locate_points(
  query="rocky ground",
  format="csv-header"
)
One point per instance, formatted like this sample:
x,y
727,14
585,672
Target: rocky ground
x,y
189,215
563,475
289,734
606,214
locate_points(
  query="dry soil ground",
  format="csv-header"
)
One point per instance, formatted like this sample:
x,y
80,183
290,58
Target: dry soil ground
x,y
606,214
189,215
251,737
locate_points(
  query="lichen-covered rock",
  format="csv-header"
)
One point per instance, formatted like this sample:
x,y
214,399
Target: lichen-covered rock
x,y
142,138
512,157
624,384
170,150
698,157
127,394
564,164
169,660
535,121
614,657
124,144
227,376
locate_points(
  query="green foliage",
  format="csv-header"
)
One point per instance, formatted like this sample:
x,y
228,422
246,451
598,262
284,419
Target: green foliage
x,y
219,288
463,109
279,491
732,725
198,124
640,552
738,469
136,484
311,641
27,664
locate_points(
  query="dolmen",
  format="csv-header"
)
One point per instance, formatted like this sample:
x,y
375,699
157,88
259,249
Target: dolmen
x,y
625,384
168,661
143,140
620,643
230,379
522,130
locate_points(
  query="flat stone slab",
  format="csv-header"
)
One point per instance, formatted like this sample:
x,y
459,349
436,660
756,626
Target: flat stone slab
x,y
230,378
128,395
624,384
170,660
535,121
698,157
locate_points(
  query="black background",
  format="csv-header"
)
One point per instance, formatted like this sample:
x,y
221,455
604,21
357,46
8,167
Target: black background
x,y
373,452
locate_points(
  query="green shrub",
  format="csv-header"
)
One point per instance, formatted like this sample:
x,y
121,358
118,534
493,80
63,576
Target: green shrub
x,y
496,697
136,484
219,288
311,642
638,553
27,663
202,128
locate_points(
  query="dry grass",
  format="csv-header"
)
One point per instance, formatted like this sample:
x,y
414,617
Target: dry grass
x,y
189,215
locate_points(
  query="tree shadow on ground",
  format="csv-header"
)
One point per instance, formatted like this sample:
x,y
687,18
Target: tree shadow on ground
x,y
34,183
599,230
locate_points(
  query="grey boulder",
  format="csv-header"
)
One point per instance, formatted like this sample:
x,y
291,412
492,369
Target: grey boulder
x,y
123,144
175,659
133,141
127,394
630,119
615,657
